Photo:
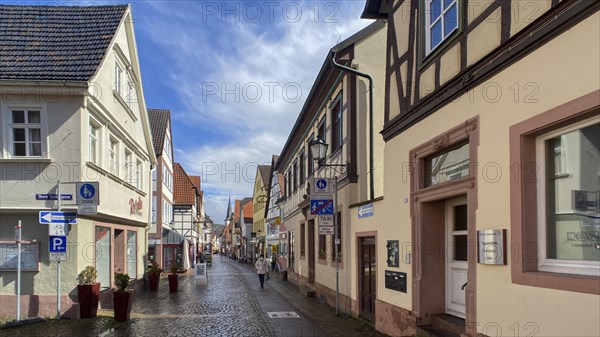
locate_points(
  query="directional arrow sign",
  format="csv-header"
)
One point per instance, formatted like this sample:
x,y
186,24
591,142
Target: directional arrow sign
x,y
366,211
50,217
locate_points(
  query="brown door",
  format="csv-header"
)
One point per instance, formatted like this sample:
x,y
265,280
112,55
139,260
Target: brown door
x,y
311,251
368,285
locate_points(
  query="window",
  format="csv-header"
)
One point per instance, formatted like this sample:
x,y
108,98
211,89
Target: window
x,y
130,94
321,131
301,167
339,230
441,19
322,247
311,164
154,209
167,148
138,174
554,208
129,166
569,206
336,123
132,254
289,183
447,166
94,133
113,156
27,139
295,175
118,79
103,260
302,239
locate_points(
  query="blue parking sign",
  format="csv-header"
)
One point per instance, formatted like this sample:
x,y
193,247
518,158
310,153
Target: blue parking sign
x,y
57,244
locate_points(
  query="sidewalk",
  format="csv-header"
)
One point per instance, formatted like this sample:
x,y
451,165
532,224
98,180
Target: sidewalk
x,y
321,316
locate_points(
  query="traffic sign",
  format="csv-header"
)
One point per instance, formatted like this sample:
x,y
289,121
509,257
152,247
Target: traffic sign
x,y
57,256
58,230
57,244
326,220
87,193
324,206
87,209
322,188
366,211
50,217
326,230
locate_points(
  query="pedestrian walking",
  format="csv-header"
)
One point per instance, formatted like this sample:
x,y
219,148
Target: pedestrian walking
x,y
261,266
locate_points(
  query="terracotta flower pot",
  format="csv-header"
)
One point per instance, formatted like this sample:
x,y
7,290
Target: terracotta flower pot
x,y
153,281
88,295
173,283
122,305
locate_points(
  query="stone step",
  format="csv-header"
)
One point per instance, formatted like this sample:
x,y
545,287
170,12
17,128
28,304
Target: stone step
x,y
449,323
431,331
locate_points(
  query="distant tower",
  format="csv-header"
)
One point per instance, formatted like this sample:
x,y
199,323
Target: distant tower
x,y
227,216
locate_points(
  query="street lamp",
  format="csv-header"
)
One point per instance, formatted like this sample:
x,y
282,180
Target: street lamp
x,y
318,149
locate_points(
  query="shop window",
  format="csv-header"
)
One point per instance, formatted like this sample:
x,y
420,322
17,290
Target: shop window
x,y
132,254
103,256
555,192
569,216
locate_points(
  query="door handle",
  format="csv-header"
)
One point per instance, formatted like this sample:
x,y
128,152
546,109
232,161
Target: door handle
x,y
463,286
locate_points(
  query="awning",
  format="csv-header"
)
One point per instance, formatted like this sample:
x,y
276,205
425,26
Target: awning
x,y
170,236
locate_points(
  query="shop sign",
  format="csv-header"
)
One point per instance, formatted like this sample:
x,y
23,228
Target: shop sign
x,y
135,206
492,246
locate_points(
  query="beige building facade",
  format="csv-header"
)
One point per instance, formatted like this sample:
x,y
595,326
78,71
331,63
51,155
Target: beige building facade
x,y
337,112
491,123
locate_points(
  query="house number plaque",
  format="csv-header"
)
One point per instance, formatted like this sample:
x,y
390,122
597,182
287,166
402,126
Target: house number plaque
x,y
492,246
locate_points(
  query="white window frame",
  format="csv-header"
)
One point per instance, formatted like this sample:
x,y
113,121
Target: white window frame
x,y
113,155
97,140
544,263
139,170
129,168
130,93
119,78
154,209
429,24
7,126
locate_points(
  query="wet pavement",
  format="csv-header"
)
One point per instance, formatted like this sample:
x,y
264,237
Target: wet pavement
x,y
230,304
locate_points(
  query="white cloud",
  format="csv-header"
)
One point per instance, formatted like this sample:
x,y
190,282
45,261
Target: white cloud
x,y
230,77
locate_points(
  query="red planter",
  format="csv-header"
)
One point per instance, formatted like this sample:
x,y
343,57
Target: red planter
x,y
122,305
153,281
173,283
88,295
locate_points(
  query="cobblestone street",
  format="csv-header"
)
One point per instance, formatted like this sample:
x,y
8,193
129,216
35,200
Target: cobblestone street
x,y
232,304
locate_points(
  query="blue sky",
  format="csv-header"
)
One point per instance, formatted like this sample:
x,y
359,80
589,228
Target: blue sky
x,y
234,75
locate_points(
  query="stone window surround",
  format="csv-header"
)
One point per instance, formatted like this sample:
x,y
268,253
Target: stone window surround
x,y
523,196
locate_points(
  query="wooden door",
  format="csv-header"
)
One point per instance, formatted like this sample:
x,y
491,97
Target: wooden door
x,y
368,281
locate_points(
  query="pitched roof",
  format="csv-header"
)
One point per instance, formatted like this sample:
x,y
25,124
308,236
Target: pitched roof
x,y
265,171
159,120
248,209
183,192
55,43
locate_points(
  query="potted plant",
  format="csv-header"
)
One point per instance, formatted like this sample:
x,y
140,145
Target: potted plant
x,y
122,298
322,254
153,271
88,292
173,281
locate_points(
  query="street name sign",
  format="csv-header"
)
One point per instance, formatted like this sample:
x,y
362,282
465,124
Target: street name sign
x,y
366,211
53,196
87,193
55,217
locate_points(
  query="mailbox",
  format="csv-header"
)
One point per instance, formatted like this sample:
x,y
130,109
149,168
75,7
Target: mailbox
x,y
395,281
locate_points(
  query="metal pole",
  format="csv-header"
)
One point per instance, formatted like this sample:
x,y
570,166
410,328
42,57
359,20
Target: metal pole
x,y
58,266
337,242
19,271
